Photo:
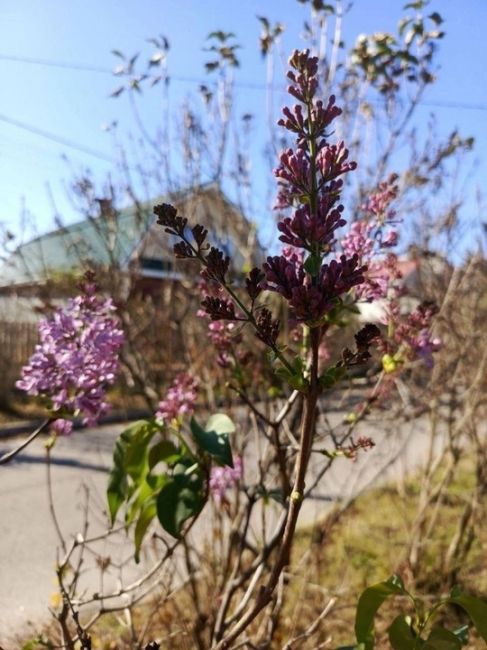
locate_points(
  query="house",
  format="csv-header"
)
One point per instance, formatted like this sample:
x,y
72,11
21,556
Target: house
x,y
133,260
128,242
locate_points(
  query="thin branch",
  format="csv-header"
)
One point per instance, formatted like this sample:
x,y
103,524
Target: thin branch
x,y
11,454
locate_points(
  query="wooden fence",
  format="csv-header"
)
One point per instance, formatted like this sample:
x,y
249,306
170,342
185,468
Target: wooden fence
x,y
17,342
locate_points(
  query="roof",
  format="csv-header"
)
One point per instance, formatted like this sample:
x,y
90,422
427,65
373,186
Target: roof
x,y
98,240
116,238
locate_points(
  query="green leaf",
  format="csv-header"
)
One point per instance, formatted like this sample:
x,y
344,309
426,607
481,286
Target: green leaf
x,y
403,23
156,481
462,634
442,639
117,92
211,65
117,491
147,514
401,634
137,438
368,604
220,423
129,461
436,18
213,442
295,377
418,4
166,451
221,36
331,376
179,499
144,491
475,608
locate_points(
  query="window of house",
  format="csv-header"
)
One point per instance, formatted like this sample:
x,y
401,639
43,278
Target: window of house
x,y
155,264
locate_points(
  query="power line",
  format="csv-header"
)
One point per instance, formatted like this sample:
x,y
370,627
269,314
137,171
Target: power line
x,y
71,144
250,85
458,105
80,67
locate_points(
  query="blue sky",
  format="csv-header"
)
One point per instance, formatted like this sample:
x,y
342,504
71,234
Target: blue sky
x,y
75,104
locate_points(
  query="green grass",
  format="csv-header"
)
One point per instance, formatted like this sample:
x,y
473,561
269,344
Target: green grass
x,y
369,543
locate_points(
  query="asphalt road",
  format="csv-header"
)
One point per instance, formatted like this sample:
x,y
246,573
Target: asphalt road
x,y
28,541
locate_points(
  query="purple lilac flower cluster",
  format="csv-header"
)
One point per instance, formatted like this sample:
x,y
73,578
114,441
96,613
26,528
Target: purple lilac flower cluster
x,y
180,398
411,334
76,359
369,237
224,478
310,186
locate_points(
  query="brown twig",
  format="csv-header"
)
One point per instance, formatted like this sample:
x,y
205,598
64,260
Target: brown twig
x,y
6,458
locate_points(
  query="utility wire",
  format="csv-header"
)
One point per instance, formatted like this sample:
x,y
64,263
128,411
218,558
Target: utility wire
x,y
55,138
71,144
82,67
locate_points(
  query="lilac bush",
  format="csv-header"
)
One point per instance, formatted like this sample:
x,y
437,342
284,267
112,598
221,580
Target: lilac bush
x,y
169,466
318,278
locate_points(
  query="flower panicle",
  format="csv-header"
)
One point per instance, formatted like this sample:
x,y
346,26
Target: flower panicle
x,y
180,398
411,336
372,237
77,357
222,479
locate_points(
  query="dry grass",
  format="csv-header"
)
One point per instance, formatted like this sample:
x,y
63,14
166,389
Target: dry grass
x,y
366,545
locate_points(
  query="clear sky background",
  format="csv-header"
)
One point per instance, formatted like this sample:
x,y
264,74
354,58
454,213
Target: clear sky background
x,y
74,104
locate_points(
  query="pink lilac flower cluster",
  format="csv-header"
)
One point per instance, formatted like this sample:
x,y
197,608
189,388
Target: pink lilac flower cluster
x,y
76,359
224,478
411,333
371,235
223,335
363,443
310,186
180,398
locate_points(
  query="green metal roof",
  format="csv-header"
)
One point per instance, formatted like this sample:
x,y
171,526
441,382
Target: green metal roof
x,y
110,240
101,241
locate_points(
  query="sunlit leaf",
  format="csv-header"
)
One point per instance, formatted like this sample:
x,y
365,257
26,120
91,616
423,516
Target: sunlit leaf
x,y
369,602
129,461
147,515
214,440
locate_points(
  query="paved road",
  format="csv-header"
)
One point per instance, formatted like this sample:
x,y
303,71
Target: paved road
x,y
28,542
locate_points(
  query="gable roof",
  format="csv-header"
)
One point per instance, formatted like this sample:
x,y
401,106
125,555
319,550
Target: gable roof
x,y
117,238
63,249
